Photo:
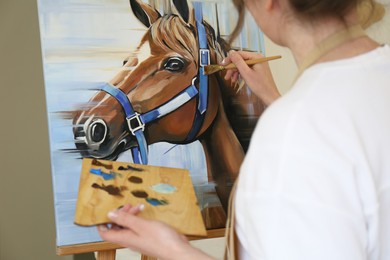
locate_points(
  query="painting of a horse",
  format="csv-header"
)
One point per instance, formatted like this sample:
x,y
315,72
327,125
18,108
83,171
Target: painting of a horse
x,y
161,94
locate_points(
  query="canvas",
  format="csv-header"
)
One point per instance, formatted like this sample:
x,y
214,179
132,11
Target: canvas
x,y
123,82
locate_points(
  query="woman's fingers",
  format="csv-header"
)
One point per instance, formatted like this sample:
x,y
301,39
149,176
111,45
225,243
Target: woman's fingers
x,y
258,77
238,58
127,209
133,209
125,217
125,226
123,237
148,237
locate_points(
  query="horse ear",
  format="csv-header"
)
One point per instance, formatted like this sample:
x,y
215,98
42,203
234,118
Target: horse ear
x,y
144,12
192,19
182,9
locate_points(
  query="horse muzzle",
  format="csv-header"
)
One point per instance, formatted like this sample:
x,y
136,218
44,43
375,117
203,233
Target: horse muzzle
x,y
92,139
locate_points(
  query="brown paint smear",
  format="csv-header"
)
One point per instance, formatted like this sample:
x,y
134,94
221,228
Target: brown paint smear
x,y
140,194
110,189
97,163
135,179
130,168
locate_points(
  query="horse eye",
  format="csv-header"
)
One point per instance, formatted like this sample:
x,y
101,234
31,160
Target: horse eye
x,y
174,64
124,62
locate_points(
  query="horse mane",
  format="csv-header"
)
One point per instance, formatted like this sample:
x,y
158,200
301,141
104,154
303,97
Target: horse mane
x,y
160,34
161,31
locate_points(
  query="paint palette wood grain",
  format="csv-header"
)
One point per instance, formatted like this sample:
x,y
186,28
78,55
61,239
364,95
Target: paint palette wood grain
x,y
167,193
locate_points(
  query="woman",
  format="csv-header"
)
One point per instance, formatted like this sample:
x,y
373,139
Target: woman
x,y
315,183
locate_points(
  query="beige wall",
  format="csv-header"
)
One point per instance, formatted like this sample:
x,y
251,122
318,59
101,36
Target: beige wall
x,y
381,30
283,70
26,211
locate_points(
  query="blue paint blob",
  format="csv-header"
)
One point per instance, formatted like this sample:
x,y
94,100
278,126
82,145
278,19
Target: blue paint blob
x,y
106,176
164,188
156,202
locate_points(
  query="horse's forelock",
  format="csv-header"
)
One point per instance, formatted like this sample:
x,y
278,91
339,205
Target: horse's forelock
x,y
171,33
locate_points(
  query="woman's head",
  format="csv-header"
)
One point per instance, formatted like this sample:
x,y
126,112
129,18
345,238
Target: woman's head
x,y
310,10
323,8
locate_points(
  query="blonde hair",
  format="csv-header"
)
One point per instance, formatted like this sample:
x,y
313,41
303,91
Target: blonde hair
x,y
240,7
369,11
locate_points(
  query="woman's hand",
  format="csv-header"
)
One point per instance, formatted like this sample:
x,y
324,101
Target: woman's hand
x,y
152,238
258,77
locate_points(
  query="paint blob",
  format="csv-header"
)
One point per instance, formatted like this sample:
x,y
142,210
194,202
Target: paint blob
x,y
157,202
130,168
106,176
140,193
98,163
164,188
110,189
135,179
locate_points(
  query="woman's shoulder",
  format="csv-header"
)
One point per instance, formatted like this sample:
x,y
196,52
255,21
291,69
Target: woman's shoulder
x,y
345,80
379,56
336,89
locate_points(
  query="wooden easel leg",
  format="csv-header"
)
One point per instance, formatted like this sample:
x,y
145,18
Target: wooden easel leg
x,y
106,255
145,257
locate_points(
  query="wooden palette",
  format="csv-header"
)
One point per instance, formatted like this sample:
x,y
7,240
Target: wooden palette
x,y
167,193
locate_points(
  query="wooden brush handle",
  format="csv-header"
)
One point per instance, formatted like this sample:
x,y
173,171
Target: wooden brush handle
x,y
254,61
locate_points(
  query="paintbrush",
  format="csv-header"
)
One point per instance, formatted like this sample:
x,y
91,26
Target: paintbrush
x,y
210,69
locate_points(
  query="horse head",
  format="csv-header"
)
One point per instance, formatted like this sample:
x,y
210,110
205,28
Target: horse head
x,y
158,95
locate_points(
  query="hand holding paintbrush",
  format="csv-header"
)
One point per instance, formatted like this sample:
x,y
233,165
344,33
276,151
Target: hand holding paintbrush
x,y
210,69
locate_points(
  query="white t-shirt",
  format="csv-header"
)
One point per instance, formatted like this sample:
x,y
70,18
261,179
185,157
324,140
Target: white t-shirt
x,y
315,183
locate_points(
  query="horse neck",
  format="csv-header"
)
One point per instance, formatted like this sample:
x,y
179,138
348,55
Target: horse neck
x,y
223,150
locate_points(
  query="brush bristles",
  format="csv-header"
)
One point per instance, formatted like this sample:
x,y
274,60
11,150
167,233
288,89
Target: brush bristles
x,y
239,84
210,69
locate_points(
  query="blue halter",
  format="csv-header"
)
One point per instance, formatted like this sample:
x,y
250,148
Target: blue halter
x,y
136,122
204,60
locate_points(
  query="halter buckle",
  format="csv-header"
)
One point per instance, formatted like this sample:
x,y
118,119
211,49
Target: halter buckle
x,y
135,123
204,56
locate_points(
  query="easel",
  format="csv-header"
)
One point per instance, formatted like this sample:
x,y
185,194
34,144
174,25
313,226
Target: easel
x,y
107,251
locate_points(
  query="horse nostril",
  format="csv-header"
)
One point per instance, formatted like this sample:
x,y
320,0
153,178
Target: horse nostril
x,y
98,131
